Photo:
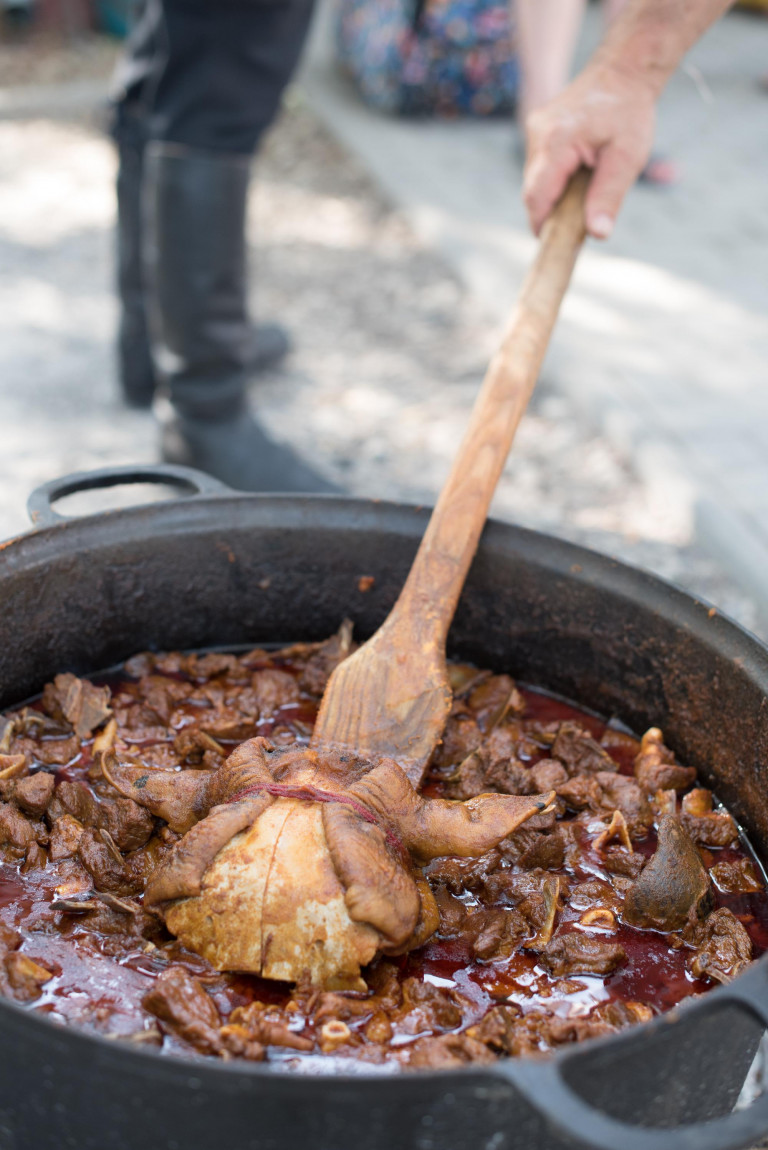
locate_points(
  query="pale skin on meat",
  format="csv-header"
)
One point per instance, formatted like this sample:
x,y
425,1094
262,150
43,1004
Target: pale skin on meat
x,y
604,119
284,884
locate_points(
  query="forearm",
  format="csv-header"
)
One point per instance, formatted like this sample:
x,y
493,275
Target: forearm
x,y
650,37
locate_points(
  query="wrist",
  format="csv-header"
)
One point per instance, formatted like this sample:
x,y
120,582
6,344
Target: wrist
x,y
614,72
643,51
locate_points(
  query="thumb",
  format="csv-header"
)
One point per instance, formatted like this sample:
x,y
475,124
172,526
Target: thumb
x,y
616,170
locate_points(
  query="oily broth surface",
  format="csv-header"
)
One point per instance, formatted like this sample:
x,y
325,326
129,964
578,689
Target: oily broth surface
x,y
99,978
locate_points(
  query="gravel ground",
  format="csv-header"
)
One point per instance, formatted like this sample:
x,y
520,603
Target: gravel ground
x,y
27,58
389,353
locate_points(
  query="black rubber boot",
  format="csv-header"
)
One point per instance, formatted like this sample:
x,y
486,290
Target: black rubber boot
x,y
135,371
238,452
195,269
267,344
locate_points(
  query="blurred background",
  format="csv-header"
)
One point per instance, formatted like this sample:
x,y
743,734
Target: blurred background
x,y
392,247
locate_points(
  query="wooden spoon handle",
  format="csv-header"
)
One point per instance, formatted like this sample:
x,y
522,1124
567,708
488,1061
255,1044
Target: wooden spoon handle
x,y
437,576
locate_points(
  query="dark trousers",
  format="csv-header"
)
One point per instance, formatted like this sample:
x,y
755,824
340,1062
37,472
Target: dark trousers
x,y
208,73
205,76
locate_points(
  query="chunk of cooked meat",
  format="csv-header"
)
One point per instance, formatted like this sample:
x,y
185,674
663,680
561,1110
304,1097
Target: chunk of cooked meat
x,y
452,911
705,825
180,1003
617,861
448,1051
265,1026
619,1014
32,794
495,931
58,752
65,836
35,858
493,699
470,777
510,777
26,976
191,745
512,848
497,1028
84,706
539,1031
548,775
581,792
210,665
273,689
656,768
541,910
464,874
501,743
577,953
579,752
160,696
593,893
103,864
673,887
10,939
738,877
427,1007
129,824
626,795
723,947
76,799
16,829
461,736
325,658
511,887
546,852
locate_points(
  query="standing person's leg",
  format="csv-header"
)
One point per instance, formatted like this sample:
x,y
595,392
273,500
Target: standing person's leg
x,y
140,71
136,74
226,65
547,33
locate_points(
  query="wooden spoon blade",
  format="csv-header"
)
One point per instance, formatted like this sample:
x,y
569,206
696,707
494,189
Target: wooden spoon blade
x,y
385,702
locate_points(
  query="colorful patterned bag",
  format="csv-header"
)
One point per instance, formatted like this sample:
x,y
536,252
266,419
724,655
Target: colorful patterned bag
x,y
444,57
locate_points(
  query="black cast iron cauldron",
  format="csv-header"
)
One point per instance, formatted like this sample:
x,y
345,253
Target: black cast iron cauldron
x,y
224,569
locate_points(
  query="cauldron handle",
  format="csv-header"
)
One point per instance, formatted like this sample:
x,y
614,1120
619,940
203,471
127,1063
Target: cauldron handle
x,y
545,1087
40,503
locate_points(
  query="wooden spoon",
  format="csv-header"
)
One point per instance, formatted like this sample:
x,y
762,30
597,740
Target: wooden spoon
x,y
392,697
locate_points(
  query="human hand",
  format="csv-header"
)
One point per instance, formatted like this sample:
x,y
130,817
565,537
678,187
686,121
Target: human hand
x,y
604,120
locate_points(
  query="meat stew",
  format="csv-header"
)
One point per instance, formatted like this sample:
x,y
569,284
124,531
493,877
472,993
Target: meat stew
x,y
627,895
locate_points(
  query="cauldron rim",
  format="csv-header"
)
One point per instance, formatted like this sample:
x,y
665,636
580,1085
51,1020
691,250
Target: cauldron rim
x,y
571,560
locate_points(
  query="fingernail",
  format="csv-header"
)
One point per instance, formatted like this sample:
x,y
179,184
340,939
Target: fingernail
x,y
602,226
